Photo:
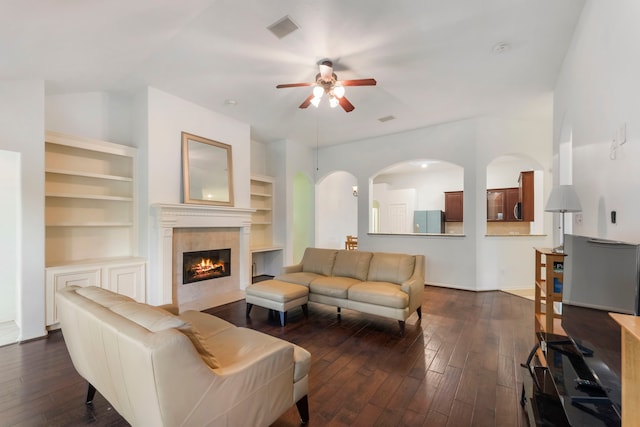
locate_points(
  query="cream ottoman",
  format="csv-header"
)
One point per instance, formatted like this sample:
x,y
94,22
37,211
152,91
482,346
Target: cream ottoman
x,y
277,296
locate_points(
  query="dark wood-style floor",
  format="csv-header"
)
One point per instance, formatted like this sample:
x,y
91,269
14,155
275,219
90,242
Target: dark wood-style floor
x,y
458,366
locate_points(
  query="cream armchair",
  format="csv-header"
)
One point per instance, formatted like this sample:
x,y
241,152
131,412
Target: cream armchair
x,y
157,369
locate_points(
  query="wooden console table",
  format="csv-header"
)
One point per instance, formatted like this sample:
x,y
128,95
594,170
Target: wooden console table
x,y
630,342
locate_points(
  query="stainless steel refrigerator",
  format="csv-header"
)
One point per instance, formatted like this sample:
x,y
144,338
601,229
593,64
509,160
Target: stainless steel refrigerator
x,y
431,221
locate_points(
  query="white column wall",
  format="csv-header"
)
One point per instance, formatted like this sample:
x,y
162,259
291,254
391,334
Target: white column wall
x,y
22,131
9,220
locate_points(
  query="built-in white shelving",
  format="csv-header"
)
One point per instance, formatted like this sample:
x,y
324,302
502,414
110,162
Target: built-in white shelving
x,y
267,256
90,217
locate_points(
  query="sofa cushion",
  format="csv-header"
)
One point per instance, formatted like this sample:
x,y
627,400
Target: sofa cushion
x,y
332,286
352,264
199,328
319,261
394,268
235,347
277,290
102,296
379,293
152,318
300,278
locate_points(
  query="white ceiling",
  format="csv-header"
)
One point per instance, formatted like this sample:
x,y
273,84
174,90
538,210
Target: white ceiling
x,y
433,59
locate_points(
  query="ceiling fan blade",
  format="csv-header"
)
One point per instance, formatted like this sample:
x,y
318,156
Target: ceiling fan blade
x,y
345,104
293,85
358,82
306,102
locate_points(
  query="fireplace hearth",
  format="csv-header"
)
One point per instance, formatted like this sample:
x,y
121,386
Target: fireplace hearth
x,y
205,265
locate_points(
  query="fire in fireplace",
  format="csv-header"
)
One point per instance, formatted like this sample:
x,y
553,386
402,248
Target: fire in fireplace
x,y
205,265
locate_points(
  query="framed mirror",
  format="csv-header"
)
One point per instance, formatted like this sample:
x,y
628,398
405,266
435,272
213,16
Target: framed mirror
x,y
207,171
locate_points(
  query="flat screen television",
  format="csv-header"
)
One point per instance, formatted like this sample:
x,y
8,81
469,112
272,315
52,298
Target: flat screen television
x,y
600,276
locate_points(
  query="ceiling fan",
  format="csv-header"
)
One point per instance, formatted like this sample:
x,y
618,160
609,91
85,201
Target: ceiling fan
x,y
327,83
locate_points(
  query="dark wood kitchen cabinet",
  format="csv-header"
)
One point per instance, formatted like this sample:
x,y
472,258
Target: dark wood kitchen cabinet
x,y
526,187
453,206
512,204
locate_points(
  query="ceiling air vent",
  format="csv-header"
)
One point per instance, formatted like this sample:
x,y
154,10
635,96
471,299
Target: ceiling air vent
x,y
283,27
386,119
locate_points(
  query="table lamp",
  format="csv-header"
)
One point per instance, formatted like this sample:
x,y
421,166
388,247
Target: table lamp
x,y
563,199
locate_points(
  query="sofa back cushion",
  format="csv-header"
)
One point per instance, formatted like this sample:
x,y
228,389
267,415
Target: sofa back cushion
x,y
156,319
353,264
394,268
198,339
102,296
319,261
152,318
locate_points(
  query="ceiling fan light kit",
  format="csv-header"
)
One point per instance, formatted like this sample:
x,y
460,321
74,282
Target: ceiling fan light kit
x,y
327,82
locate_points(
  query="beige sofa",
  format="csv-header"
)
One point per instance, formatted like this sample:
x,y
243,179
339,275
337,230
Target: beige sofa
x,y
384,284
193,369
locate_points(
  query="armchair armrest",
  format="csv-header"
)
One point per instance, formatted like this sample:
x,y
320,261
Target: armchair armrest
x,y
296,268
414,286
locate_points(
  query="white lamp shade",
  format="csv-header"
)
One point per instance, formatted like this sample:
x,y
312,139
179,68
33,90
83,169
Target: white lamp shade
x,y
563,199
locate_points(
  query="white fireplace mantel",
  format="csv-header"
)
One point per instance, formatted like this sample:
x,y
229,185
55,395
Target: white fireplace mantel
x,y
167,217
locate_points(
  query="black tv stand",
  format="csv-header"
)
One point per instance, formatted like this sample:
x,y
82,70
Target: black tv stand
x,y
560,388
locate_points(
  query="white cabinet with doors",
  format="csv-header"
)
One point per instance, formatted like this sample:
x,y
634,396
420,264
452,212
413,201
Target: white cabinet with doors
x,y
125,276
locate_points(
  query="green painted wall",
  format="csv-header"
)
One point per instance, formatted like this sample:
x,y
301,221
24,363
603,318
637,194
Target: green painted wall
x,y
303,214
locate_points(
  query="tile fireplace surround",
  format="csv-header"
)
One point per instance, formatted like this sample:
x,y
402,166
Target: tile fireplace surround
x,y
181,227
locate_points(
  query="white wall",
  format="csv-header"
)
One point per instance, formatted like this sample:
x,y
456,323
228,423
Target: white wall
x,y
395,208
152,121
22,131
473,261
167,117
285,160
9,221
504,171
259,158
105,116
596,93
450,261
508,262
337,210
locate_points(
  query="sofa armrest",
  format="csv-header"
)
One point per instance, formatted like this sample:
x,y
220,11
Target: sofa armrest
x,y
246,384
296,268
275,357
414,286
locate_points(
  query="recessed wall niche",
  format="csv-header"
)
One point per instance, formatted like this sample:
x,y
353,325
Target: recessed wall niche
x,y
510,179
409,198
